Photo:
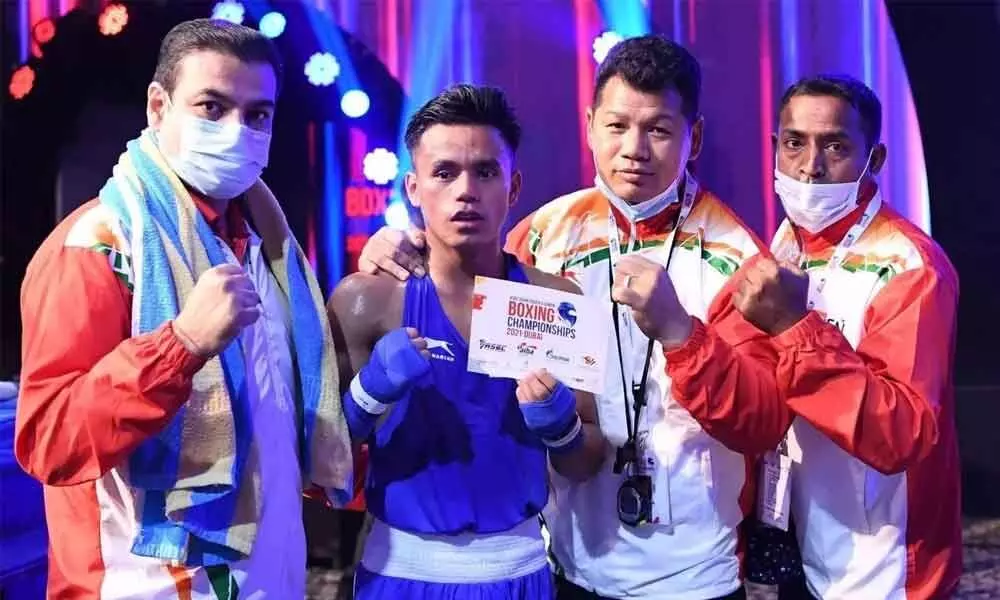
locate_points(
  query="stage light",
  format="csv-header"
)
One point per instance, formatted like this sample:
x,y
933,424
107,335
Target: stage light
x,y
604,43
355,103
397,216
44,31
113,19
21,82
322,68
381,166
272,24
229,10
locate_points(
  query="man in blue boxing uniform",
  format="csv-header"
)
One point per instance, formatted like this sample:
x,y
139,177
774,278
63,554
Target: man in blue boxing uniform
x,y
458,470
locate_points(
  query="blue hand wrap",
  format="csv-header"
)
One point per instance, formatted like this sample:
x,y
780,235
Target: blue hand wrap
x,y
555,420
360,422
393,367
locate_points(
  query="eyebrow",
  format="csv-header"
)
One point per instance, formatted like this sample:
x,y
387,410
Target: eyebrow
x,y
661,116
487,162
839,134
483,162
443,162
219,96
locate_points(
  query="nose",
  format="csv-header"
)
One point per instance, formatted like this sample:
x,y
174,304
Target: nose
x,y
635,145
813,168
233,116
467,188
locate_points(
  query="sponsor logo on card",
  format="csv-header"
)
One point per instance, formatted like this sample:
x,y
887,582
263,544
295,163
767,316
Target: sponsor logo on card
x,y
553,355
492,346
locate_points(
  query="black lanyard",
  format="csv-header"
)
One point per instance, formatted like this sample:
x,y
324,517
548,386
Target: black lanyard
x,y
638,389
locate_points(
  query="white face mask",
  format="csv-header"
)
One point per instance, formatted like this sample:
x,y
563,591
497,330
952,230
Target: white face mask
x,y
816,206
220,160
646,208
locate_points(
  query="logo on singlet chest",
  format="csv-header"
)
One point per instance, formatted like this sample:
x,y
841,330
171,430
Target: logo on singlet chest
x,y
440,349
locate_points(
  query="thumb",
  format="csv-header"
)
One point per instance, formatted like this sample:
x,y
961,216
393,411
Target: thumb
x,y
226,269
624,295
417,237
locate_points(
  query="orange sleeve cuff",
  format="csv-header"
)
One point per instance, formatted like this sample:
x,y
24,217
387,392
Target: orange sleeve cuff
x,y
176,353
808,331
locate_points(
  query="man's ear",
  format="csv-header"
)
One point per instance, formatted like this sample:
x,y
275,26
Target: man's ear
x,y
410,183
590,127
879,154
515,189
156,104
697,138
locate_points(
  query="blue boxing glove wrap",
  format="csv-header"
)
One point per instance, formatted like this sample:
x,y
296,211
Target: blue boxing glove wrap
x,y
394,366
555,420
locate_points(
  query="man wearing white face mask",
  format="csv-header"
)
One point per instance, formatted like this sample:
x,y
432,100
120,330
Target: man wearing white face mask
x,y
179,383
865,348
660,519
216,159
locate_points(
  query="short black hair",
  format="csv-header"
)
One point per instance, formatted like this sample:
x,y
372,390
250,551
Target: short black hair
x,y
244,43
653,64
848,89
466,104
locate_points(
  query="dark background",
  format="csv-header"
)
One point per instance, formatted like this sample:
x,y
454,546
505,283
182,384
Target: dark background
x,y
950,51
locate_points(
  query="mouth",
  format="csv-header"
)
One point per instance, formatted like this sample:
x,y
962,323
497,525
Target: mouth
x,y
467,216
633,174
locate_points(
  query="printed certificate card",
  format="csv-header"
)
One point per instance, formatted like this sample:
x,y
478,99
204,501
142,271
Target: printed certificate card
x,y
518,328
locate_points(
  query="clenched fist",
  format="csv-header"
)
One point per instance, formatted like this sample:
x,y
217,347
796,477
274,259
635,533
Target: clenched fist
x,y
645,286
221,304
773,297
398,361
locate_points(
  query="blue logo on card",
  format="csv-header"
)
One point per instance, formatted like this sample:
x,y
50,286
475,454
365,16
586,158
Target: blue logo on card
x,y
567,312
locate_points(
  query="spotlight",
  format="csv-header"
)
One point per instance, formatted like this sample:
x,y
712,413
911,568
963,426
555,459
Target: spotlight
x,y
229,10
44,31
355,103
322,68
397,216
21,82
604,43
272,24
381,166
113,19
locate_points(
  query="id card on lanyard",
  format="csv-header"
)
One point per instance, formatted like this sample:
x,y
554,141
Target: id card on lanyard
x,y
642,440
774,496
